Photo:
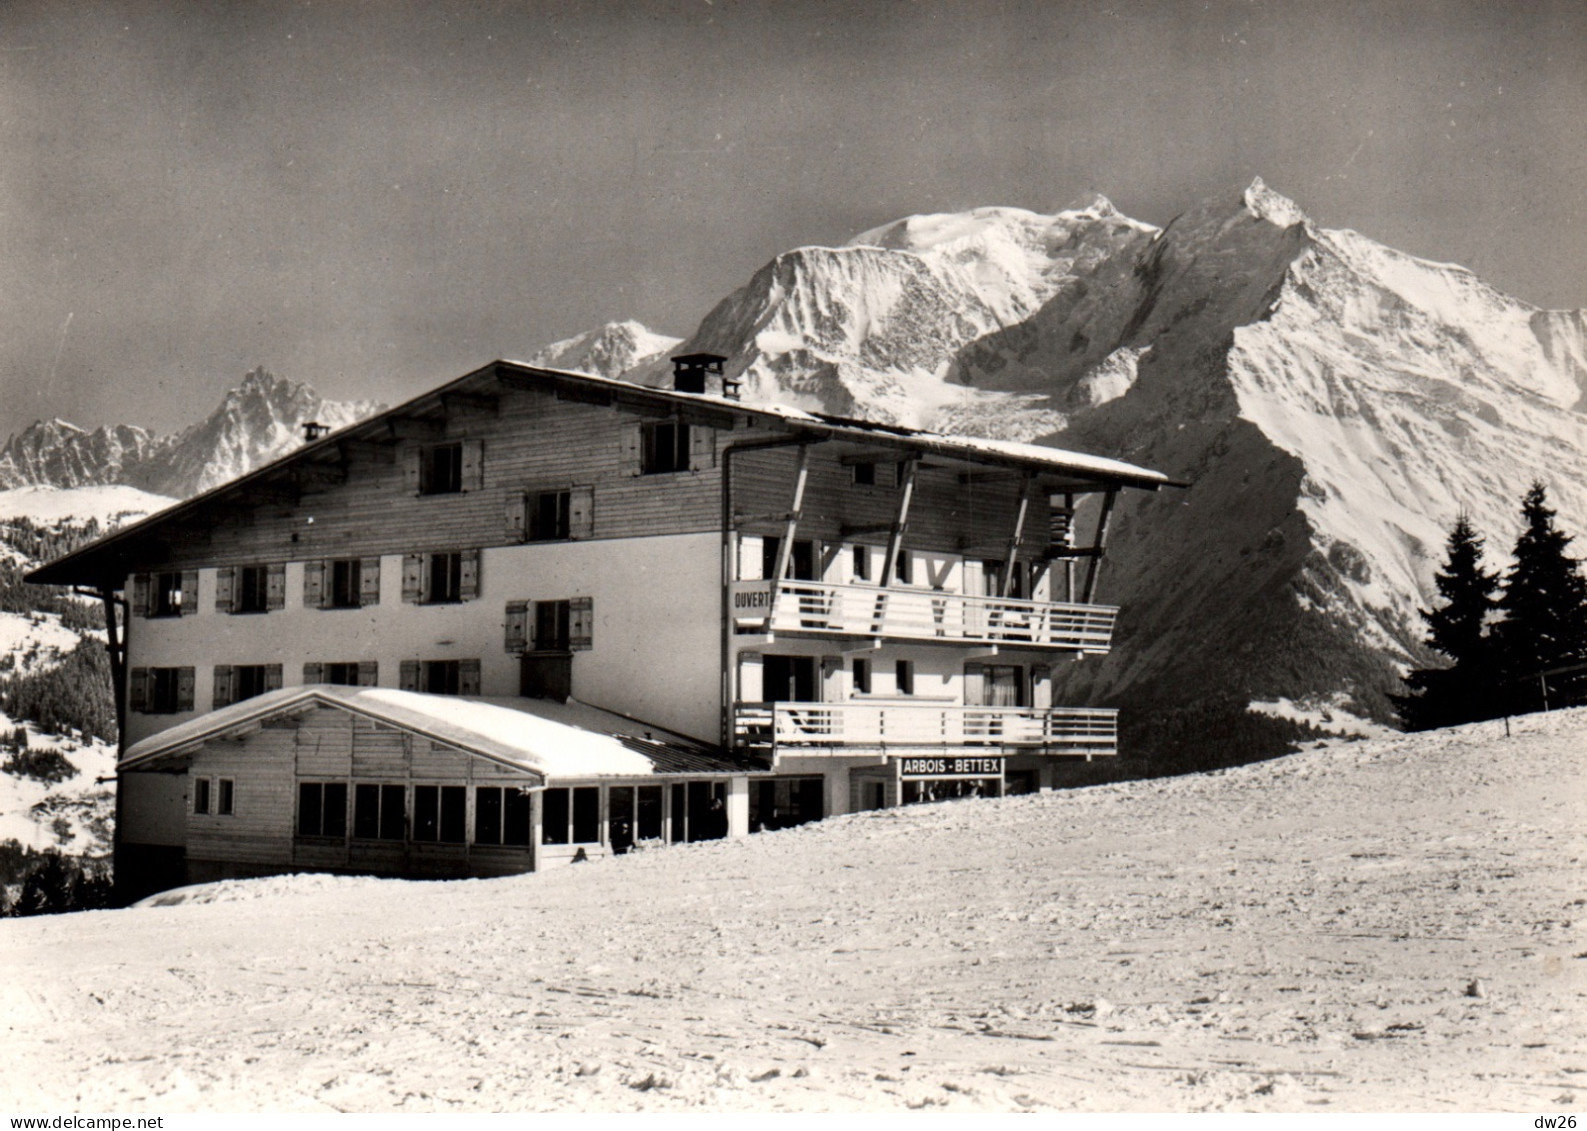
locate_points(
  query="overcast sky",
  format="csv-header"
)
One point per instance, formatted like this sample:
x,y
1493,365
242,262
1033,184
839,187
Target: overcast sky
x,y
375,197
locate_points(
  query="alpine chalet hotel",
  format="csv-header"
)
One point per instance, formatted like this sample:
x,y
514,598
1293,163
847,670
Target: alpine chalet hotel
x,y
533,617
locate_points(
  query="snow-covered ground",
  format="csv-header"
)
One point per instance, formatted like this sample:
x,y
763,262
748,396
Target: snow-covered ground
x,y
34,640
1390,924
74,816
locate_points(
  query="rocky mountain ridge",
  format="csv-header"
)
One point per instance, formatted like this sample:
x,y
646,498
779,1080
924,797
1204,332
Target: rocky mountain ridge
x,y
259,420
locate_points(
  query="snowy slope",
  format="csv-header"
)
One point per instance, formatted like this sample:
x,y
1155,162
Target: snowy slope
x,y
74,816
1385,925
111,504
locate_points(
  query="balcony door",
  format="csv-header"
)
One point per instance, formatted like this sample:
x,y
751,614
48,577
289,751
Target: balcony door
x,y
995,685
789,679
801,562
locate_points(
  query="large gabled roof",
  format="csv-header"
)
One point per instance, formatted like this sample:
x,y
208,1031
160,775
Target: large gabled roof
x,y
107,561
551,741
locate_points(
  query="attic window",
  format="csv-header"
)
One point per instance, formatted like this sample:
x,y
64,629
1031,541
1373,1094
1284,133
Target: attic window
x,y
665,448
441,470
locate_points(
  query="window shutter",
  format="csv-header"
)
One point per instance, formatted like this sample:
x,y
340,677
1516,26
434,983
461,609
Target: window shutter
x,y
702,447
1041,686
413,577
140,594
581,624
189,592
751,677
272,677
411,460
314,586
468,677
225,588
468,575
581,512
184,688
410,675
369,673
516,508
517,626
369,580
751,558
531,631
974,685
473,465
138,689
276,585
222,695
628,460
313,673
832,679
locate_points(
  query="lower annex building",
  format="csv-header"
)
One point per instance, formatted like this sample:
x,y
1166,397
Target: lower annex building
x,y
533,616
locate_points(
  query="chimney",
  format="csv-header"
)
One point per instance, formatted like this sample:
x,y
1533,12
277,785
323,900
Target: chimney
x,y
313,430
689,371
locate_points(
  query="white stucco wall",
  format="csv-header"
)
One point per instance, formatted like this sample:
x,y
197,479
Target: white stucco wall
x,y
657,641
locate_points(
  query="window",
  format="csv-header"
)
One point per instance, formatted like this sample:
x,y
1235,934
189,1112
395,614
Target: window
x,y
167,596
443,578
801,560
579,808
226,798
902,572
904,674
873,473
864,474
345,674
441,677
161,691
441,470
548,516
648,824
554,812
322,808
250,680
201,790
862,563
347,583
501,816
379,812
253,590
664,447
862,676
439,813
446,579
552,624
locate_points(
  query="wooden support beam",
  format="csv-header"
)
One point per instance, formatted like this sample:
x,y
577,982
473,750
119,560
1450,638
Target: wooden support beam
x,y
790,531
1094,566
895,541
1012,557
116,649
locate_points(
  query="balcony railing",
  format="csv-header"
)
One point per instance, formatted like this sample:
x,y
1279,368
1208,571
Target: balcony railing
x,y
814,728
921,614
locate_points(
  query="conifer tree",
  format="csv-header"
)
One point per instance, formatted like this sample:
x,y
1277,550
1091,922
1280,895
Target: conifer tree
x,y
1544,604
1466,690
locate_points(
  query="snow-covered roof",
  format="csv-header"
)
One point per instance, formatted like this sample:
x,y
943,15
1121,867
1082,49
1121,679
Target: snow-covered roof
x,y
549,740
107,561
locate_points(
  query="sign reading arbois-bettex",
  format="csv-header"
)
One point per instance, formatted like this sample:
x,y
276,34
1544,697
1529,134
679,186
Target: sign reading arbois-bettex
x,y
950,767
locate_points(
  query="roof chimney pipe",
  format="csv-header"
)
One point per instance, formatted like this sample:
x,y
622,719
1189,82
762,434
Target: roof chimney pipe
x,y
313,430
690,370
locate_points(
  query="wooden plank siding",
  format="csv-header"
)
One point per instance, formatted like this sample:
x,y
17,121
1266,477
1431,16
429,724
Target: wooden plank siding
x,y
535,443
259,832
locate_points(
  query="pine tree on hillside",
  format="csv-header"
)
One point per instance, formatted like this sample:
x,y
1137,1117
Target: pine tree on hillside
x,y
1544,604
1466,690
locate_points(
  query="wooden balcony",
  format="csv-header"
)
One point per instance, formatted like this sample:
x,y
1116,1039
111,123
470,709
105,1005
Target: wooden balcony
x,y
836,728
906,613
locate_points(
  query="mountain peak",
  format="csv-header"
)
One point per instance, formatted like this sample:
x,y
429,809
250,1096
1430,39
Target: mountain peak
x,y
1094,203
1265,204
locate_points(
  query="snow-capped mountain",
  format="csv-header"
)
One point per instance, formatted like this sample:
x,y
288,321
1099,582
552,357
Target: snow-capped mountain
x,y
1335,402
611,351
260,419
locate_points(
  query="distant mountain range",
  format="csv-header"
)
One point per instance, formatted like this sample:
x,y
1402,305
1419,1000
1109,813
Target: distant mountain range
x,y
1334,402
259,420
